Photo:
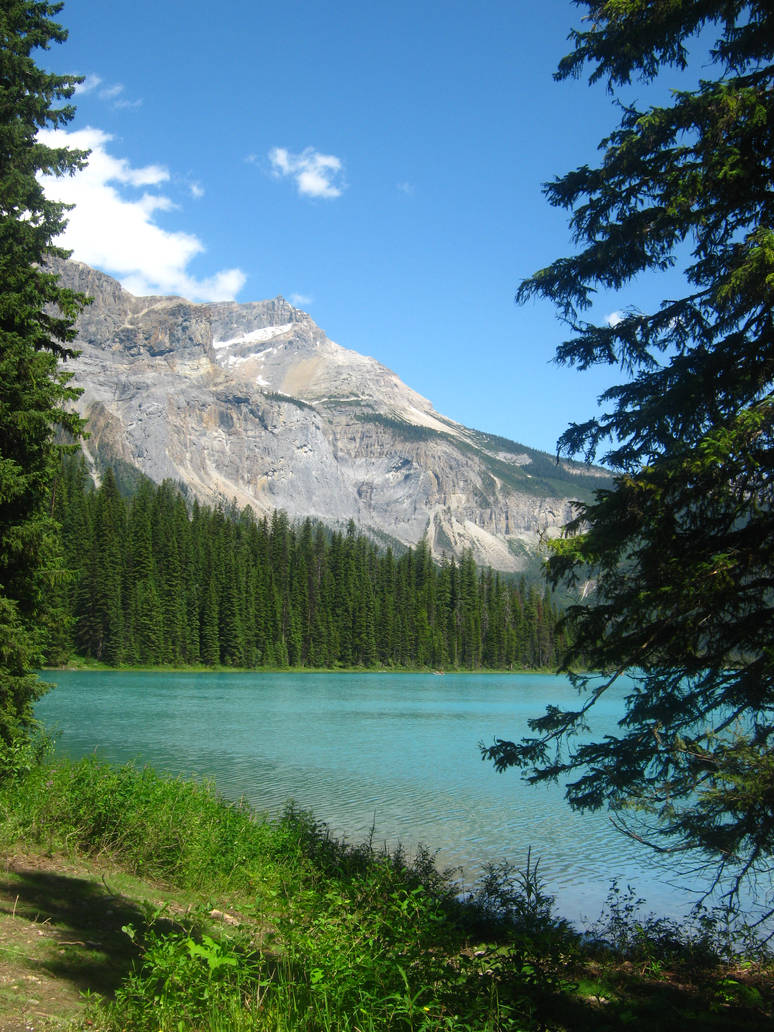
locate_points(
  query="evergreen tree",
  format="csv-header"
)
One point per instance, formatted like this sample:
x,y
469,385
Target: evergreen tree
x,y
105,588
469,612
453,621
69,511
147,623
36,327
139,558
156,584
231,632
209,642
681,548
170,530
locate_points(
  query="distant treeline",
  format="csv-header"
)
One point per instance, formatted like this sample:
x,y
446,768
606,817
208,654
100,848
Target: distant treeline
x,y
156,580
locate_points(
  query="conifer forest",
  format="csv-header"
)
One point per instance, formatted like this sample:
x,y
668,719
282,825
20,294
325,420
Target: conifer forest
x,y
153,579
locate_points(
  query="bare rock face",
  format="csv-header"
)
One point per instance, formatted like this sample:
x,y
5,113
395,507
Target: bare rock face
x,y
253,403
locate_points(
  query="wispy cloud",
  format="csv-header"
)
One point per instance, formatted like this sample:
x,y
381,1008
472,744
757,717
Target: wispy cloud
x,y
123,104
405,188
112,94
315,174
300,300
113,223
90,82
614,318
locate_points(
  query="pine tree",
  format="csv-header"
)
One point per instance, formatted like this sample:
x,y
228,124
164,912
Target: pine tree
x,y
69,512
36,328
147,623
107,590
469,614
170,527
155,584
681,547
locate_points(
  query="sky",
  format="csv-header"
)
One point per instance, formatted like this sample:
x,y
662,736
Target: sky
x,y
378,165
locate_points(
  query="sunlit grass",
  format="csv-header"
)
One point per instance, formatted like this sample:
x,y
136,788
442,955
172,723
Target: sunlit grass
x,y
329,935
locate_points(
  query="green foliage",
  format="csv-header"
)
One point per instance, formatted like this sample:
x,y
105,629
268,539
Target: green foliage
x,y
358,937
708,937
36,328
679,549
164,828
184,981
288,399
325,935
542,475
518,898
152,583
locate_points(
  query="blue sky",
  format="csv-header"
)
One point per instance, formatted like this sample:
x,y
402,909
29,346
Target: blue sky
x,y
379,165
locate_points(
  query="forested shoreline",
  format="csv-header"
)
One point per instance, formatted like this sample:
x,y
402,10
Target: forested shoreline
x,y
153,580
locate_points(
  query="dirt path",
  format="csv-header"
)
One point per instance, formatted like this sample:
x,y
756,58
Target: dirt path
x,y
61,937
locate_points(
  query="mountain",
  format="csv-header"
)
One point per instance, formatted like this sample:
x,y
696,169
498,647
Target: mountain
x,y
254,404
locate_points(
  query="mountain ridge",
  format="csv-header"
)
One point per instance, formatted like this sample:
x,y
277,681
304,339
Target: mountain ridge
x,y
253,403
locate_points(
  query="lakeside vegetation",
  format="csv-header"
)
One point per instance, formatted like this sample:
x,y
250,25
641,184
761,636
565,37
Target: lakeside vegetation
x,y
154,581
284,927
239,922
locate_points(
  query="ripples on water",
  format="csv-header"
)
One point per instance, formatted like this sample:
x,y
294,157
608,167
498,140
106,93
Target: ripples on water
x,y
396,753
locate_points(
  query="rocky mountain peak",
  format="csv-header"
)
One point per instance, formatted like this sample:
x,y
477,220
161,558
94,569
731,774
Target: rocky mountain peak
x,y
253,403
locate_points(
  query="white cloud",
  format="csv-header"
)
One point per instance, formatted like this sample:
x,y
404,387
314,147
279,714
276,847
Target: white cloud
x,y
315,174
124,104
615,318
112,225
115,94
90,82
406,188
111,92
299,300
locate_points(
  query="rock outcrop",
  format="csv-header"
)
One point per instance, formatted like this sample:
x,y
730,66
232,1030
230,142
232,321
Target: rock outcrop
x,y
253,403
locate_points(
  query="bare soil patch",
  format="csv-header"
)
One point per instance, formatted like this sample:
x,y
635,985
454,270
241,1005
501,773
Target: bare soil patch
x,y
61,936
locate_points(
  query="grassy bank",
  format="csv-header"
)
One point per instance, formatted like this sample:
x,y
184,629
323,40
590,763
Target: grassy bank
x,y
215,918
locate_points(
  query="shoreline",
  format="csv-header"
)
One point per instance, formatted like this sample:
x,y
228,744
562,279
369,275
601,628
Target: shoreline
x,y
203,890
92,667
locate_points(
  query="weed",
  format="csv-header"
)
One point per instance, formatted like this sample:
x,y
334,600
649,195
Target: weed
x,y
517,897
162,827
183,980
707,938
346,937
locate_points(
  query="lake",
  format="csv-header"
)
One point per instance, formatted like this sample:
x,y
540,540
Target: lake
x,y
394,752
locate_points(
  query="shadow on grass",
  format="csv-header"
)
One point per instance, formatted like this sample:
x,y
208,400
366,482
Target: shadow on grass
x,y
680,998
83,921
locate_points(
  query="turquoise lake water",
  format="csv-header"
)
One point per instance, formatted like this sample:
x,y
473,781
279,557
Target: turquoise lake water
x,y
394,752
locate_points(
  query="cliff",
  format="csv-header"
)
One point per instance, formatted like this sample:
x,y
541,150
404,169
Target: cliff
x,y
253,403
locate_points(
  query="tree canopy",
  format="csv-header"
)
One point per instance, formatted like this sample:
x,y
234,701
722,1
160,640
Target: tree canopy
x,y
678,552
36,328
156,581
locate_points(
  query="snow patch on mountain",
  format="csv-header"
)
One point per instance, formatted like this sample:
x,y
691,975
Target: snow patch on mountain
x,y
257,336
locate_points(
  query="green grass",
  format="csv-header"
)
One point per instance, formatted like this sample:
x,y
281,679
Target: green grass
x,y
335,936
